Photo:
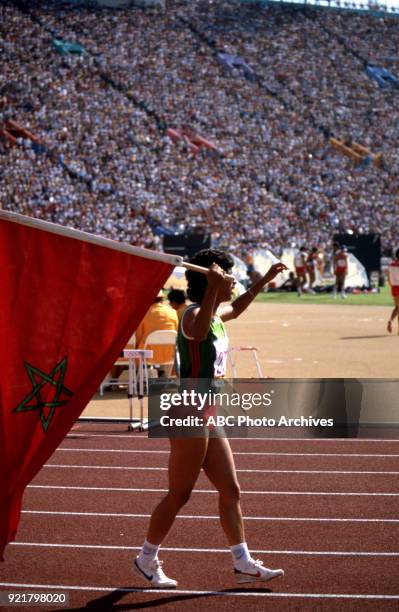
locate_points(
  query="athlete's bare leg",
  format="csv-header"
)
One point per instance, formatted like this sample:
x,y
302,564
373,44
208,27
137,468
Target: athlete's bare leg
x,y
220,469
394,314
391,319
339,285
301,280
185,461
312,280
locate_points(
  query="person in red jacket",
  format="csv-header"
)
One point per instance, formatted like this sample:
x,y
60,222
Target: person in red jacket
x,y
340,269
311,266
393,279
300,269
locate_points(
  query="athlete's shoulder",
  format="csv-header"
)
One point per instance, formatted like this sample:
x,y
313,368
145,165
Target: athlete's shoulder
x,y
185,319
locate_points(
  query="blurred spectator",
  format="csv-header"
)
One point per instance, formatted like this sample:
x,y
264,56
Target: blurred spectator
x,y
177,300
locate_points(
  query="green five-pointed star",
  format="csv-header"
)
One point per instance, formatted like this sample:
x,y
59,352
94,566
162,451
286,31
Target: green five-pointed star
x,y
39,379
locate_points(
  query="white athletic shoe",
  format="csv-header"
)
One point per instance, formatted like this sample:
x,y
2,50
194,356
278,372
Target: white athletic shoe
x,y
255,571
154,574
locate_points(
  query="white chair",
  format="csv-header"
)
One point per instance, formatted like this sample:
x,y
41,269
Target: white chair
x,y
164,337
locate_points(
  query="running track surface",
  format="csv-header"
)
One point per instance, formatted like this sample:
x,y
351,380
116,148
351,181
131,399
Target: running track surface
x,y
324,510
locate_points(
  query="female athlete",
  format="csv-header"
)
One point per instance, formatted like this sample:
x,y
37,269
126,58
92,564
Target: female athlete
x,y
202,344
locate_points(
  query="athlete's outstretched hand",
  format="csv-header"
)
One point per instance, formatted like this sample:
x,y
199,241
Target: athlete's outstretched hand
x,y
275,269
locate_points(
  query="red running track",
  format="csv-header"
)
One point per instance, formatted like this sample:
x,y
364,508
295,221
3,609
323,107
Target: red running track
x,y
327,511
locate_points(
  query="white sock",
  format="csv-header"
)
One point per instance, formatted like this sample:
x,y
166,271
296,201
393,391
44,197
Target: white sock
x,y
148,553
241,555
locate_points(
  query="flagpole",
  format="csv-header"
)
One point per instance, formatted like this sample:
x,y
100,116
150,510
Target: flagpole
x,y
201,270
68,232
75,234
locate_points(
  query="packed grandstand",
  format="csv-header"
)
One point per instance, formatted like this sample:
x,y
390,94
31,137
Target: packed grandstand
x,y
137,123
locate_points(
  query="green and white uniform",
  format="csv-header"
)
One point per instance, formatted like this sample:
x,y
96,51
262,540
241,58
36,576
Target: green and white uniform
x,y
205,359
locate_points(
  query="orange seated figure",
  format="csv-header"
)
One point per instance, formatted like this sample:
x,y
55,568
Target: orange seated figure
x,y
158,317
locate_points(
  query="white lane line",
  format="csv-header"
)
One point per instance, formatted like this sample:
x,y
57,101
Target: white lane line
x,y
210,517
310,553
71,587
144,437
137,490
166,452
106,467
164,469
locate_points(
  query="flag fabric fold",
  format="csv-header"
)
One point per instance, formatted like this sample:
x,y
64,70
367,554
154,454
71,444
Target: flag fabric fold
x,y
69,302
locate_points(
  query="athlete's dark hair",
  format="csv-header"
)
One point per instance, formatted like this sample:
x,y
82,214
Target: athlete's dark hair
x,y
197,282
397,253
177,295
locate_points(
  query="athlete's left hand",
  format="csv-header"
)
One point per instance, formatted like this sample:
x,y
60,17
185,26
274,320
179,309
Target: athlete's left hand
x,y
275,269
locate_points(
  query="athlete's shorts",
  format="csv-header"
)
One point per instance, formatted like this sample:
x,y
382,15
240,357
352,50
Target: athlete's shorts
x,y
395,291
300,271
195,423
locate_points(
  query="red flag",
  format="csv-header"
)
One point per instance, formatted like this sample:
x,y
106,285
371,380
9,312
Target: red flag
x,y
69,302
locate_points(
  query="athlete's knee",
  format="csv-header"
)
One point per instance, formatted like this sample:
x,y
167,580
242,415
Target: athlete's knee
x,y
230,493
179,497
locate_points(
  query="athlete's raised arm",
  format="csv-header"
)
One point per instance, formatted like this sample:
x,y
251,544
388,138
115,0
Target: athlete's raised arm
x,y
241,303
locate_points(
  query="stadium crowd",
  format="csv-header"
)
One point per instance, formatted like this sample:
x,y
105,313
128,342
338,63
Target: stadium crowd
x,y
109,167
